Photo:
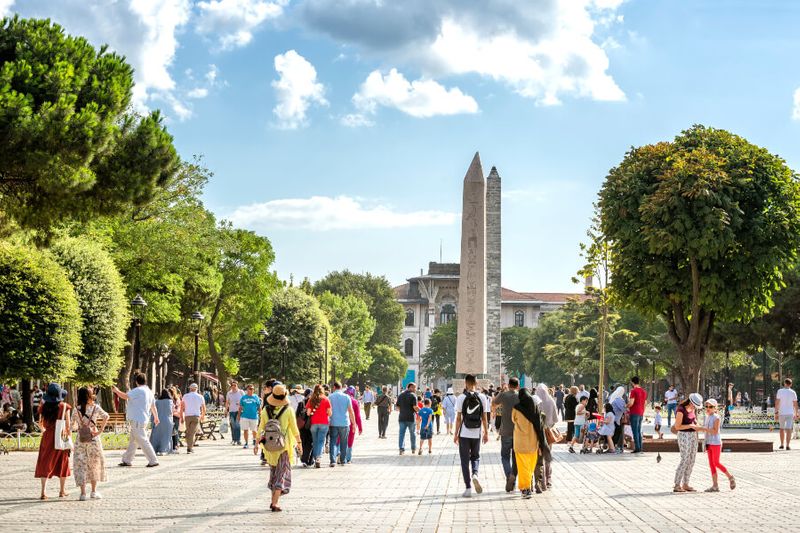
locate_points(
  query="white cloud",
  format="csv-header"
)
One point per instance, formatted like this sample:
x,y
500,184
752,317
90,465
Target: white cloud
x,y
295,89
198,92
232,22
796,110
323,213
420,98
145,31
5,7
356,120
541,49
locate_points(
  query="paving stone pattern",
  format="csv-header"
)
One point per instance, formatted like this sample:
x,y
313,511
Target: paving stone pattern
x,y
223,487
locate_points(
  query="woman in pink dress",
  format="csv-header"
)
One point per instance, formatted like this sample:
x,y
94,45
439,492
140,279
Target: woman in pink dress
x,y
351,391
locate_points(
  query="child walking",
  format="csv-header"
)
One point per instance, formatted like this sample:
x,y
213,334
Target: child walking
x,y
714,445
426,426
607,429
580,420
657,422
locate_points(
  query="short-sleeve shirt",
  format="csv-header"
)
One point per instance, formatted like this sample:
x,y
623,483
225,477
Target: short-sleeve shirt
x,y
233,400
671,396
340,403
406,403
507,400
320,414
688,418
425,414
471,433
787,398
709,424
250,404
140,400
193,404
639,396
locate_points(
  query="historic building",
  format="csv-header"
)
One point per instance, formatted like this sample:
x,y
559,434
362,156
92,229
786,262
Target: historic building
x,y
432,299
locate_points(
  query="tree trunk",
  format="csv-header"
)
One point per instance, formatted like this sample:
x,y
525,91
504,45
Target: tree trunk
x,y
216,357
27,404
124,377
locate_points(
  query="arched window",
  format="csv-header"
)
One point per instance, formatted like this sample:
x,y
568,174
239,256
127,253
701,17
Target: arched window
x,y
410,317
447,313
519,319
409,348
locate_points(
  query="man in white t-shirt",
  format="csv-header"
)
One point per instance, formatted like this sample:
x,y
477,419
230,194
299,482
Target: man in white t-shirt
x,y
786,411
471,425
194,412
232,410
671,399
141,404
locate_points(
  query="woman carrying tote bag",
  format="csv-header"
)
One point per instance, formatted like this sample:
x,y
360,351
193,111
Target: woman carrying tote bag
x,y
52,461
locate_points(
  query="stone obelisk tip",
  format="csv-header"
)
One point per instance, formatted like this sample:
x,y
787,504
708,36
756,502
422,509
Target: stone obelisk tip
x,y
493,173
475,170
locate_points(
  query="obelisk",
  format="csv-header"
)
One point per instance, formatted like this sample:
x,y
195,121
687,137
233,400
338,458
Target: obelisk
x,y
471,341
494,360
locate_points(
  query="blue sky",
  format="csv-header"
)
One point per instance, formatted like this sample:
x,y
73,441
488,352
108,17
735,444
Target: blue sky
x,y
341,129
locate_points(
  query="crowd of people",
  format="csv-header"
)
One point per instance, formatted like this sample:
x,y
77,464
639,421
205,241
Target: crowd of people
x,y
287,425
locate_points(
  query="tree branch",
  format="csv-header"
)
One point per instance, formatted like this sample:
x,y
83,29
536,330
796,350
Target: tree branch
x,y
681,326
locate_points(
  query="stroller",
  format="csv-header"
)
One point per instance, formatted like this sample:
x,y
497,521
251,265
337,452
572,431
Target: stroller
x,y
589,434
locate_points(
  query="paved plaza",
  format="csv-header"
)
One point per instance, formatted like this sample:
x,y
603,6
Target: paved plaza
x,y
223,487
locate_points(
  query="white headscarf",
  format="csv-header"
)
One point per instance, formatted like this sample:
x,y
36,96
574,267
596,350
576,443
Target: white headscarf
x,y
616,394
548,405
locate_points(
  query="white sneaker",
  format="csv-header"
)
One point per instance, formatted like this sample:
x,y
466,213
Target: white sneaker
x,y
96,496
467,493
83,497
477,484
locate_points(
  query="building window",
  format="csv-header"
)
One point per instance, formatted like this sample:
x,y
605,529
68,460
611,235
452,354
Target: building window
x,y
447,314
519,319
409,348
541,316
410,317
428,318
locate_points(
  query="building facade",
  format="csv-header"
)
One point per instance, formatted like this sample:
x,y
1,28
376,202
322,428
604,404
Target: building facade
x,y
432,299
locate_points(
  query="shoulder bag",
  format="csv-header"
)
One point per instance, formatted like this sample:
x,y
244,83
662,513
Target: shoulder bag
x,y
62,443
85,429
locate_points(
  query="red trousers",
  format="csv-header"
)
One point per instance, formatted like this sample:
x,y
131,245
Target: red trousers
x,y
714,451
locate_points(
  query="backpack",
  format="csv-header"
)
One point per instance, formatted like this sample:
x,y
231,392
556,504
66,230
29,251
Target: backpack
x,y
273,438
472,410
434,403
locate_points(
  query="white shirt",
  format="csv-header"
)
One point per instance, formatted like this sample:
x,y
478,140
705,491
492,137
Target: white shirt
x,y
671,396
787,397
583,394
472,433
294,401
140,400
233,400
192,404
369,397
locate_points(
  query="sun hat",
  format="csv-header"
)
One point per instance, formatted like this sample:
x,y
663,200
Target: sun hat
x,y
278,397
449,390
53,394
696,399
712,402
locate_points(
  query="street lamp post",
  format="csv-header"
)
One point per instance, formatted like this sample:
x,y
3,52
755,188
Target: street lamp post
x,y
197,319
285,345
138,306
263,334
654,353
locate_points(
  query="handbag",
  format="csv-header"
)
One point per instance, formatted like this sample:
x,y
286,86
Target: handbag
x,y
625,419
62,443
223,427
85,430
552,435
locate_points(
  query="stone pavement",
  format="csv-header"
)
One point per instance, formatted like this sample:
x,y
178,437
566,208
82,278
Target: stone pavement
x,y
221,487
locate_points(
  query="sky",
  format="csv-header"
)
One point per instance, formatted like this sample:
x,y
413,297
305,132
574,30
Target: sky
x,y
342,129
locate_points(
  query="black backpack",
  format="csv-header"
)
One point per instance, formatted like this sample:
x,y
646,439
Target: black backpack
x,y
472,410
434,403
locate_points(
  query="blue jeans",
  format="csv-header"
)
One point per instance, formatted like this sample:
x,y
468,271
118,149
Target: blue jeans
x,y
319,432
236,428
412,429
636,428
507,456
339,433
671,408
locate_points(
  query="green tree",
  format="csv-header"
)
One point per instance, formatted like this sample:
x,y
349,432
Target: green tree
x,y
703,230
388,365
244,297
40,321
104,308
352,327
439,359
379,297
514,341
537,364
71,149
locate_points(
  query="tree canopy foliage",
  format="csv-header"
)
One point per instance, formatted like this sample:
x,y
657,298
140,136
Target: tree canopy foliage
x,y
703,229
388,365
439,359
352,327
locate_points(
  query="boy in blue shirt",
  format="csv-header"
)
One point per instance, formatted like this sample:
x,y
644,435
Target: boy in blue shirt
x,y
426,426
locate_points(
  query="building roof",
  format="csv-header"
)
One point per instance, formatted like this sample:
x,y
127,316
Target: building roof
x,y
509,296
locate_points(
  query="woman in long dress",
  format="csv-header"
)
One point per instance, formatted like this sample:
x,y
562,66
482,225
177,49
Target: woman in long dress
x,y
52,462
280,462
88,463
161,436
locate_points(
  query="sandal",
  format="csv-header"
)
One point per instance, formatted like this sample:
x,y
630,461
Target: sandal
x,y
63,494
687,488
43,497
275,508
678,489
712,489
733,482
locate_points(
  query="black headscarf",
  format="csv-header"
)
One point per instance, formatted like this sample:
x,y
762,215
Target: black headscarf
x,y
591,405
528,408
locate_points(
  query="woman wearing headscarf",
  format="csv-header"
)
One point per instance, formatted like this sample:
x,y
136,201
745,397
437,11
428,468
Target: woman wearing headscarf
x,y
161,436
280,462
52,462
547,407
449,406
351,391
305,432
592,406
529,440
617,401
570,404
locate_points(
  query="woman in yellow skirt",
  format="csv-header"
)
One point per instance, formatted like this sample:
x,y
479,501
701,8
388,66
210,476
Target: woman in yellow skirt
x,y
529,440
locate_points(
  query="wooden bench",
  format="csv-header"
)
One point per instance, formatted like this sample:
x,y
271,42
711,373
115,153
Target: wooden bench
x,y
207,430
117,423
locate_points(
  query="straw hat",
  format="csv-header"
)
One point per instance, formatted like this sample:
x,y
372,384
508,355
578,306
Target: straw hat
x,y
278,397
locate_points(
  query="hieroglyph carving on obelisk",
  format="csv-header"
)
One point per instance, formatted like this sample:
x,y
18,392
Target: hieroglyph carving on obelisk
x,y
471,343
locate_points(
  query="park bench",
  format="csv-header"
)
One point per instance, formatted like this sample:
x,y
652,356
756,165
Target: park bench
x,y
208,428
117,423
